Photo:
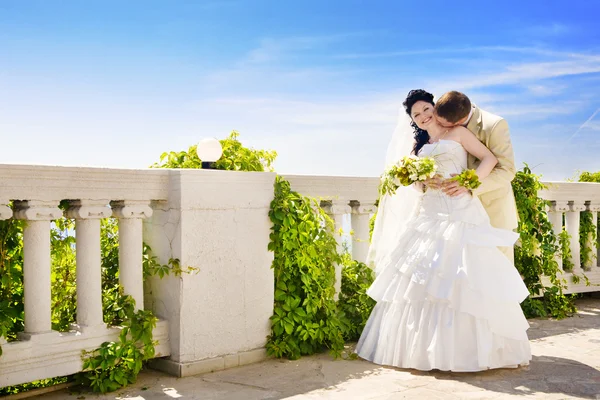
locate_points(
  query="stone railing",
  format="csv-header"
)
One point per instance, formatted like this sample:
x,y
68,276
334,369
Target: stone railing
x,y
355,197
567,201
215,221
212,220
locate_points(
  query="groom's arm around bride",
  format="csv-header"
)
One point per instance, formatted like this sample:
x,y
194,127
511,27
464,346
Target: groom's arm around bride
x,y
496,195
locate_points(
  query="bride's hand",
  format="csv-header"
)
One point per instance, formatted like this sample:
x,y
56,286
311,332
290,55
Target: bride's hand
x,y
453,188
434,183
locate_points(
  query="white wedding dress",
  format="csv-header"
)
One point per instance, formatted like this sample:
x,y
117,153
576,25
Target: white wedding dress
x,y
447,298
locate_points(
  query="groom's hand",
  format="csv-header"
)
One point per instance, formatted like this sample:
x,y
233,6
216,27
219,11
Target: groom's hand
x,y
453,188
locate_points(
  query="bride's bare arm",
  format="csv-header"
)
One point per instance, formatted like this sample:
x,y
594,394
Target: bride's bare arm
x,y
478,150
473,146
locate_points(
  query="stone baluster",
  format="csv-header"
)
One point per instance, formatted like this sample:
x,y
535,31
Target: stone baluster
x,y
361,215
557,208
593,207
87,215
131,275
336,210
573,218
37,263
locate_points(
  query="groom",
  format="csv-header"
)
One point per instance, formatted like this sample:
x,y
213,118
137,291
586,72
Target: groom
x,y
496,195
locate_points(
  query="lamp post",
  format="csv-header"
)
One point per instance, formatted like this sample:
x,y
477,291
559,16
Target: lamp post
x,y
209,150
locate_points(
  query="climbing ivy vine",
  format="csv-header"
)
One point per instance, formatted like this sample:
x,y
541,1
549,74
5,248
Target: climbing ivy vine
x,y
536,250
588,231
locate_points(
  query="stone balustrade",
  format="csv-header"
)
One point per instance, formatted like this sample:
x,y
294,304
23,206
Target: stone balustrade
x,y
214,221
567,201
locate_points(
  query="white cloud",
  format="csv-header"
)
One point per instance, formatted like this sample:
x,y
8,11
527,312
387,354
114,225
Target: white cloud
x,y
546,89
526,73
533,111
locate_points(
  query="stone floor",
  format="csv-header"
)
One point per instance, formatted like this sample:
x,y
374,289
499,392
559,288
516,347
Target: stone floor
x,y
565,365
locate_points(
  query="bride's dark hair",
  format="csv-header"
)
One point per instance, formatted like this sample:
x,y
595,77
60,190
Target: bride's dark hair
x,y
421,136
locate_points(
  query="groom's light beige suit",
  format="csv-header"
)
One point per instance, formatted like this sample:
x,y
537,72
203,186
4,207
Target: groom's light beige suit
x,y
495,191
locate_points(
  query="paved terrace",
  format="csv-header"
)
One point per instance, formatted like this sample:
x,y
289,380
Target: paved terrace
x,y
565,365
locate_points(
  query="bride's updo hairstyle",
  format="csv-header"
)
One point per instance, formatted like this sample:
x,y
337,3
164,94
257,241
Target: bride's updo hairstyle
x,y
421,136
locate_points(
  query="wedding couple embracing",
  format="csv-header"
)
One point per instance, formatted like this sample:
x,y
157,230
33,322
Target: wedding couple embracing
x,y
448,294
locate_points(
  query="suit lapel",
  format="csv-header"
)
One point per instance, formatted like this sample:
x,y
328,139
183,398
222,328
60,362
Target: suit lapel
x,y
475,123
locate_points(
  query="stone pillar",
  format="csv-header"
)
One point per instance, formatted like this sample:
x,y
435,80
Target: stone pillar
x,y
87,215
131,246
217,222
361,215
336,210
37,263
593,207
557,208
573,218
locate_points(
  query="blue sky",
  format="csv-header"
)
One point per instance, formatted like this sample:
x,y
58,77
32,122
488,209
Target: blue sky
x,y
116,83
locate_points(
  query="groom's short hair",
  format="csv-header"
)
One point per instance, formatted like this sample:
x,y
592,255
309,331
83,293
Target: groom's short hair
x,y
453,106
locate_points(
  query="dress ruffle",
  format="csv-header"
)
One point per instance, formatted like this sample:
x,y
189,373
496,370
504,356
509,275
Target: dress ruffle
x,y
447,298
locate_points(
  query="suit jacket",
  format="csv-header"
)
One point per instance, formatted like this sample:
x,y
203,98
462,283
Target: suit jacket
x,y
495,192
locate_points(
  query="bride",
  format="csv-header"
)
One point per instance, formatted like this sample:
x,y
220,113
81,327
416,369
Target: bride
x,y
447,298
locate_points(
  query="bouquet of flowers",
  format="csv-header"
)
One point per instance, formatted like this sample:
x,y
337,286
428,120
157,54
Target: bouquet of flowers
x,y
468,179
408,170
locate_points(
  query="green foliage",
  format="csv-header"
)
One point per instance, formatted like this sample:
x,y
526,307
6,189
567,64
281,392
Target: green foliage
x,y
11,279
42,383
235,157
64,290
117,364
354,301
589,177
564,241
306,318
587,234
587,229
536,249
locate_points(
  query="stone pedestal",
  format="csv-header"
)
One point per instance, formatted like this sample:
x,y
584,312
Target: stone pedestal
x,y
217,222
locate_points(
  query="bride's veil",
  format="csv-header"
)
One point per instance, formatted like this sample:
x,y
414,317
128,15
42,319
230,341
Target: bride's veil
x,y
394,211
